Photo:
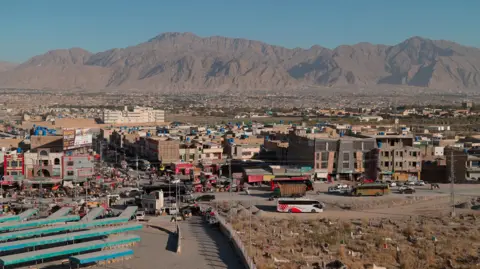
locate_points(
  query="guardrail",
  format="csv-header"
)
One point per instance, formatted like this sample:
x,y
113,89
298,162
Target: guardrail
x,y
179,239
240,248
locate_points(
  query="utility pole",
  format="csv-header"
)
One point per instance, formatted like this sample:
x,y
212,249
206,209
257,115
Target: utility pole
x,y
230,189
101,150
452,185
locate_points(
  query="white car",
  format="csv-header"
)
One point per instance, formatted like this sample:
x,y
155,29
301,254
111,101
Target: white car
x,y
420,183
393,184
140,215
410,183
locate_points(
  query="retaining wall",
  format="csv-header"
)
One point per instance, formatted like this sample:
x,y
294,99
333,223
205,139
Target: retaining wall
x,y
240,248
179,239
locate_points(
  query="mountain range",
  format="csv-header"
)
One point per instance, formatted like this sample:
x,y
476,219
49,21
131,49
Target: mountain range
x,y
184,61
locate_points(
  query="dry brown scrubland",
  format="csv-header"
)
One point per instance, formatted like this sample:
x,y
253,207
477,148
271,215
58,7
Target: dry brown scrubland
x,y
415,242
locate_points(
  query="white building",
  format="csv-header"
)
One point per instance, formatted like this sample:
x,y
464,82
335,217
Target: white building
x,y
153,202
137,115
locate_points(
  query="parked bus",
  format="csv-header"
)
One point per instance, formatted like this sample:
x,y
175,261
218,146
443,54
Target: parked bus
x,y
292,205
371,190
298,180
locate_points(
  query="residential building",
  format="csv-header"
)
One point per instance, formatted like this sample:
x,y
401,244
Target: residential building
x,y
466,167
77,168
13,166
398,159
160,149
341,157
136,115
43,164
243,148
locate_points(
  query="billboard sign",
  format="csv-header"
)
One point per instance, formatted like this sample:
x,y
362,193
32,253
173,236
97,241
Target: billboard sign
x,y
76,138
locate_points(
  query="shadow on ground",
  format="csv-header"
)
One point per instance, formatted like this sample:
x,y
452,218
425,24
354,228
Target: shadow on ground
x,y
214,246
172,239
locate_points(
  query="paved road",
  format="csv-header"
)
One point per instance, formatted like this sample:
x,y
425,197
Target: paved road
x,y
203,247
209,245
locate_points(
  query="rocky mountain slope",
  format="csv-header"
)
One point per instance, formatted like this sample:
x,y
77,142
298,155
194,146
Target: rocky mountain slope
x,y
184,61
4,66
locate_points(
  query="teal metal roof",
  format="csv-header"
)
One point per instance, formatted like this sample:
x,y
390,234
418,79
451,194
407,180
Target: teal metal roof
x,y
67,250
20,244
101,256
93,214
7,218
35,223
27,214
129,212
61,228
60,213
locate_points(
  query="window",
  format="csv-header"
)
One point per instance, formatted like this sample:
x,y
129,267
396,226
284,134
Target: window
x,y
386,164
346,165
401,154
70,173
43,153
414,154
346,156
44,162
324,165
400,164
318,166
324,156
318,156
56,161
414,164
386,154
13,164
355,165
70,163
13,173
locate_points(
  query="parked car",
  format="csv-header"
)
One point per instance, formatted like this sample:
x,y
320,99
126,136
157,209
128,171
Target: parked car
x,y
420,183
339,189
205,198
392,184
140,215
410,183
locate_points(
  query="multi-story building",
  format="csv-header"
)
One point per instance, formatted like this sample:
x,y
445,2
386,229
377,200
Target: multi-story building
x,y
13,166
77,168
43,164
330,155
160,149
137,115
244,148
398,159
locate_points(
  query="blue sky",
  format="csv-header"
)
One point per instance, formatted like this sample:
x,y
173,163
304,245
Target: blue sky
x,y
28,28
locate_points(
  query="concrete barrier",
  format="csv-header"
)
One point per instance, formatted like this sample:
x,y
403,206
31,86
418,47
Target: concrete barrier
x,y
179,239
238,245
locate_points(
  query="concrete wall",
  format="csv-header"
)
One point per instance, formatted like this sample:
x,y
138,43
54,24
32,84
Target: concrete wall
x,y
228,231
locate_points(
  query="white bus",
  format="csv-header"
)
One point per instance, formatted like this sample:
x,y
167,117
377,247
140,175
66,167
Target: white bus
x,y
292,205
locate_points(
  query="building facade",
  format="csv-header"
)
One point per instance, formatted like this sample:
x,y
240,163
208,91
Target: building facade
x,y
77,167
398,159
161,150
13,166
137,115
330,156
43,164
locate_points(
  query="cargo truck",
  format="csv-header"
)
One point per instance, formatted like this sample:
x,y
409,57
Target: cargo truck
x,y
289,190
